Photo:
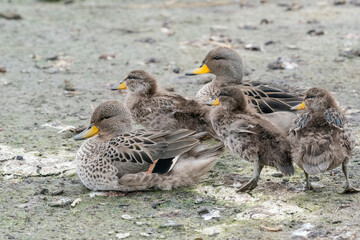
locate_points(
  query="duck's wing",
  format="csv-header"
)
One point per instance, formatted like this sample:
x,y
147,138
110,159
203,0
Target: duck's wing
x,y
335,118
268,99
141,148
300,122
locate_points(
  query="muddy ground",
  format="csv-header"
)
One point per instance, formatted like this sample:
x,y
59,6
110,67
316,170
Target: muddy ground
x,y
52,76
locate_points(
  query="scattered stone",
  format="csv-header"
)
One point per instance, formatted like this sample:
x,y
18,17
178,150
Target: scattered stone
x,y
75,202
252,47
339,2
19,157
198,200
303,231
272,229
57,192
107,57
292,47
172,224
315,32
280,63
144,234
123,235
149,40
269,43
312,21
2,70
247,27
176,70
166,29
279,175
127,217
152,60
140,223
350,53
154,205
123,205
69,86
53,58
214,214
265,21
10,16
62,202
203,211
294,6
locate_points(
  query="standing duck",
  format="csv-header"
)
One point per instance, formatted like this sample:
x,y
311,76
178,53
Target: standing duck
x,y
227,66
155,109
320,138
249,135
116,158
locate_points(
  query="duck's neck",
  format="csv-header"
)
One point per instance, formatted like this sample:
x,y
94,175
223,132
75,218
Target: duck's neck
x,y
227,80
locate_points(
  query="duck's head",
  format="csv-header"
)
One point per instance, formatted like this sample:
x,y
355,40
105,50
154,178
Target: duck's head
x,y
317,99
231,99
109,119
224,62
138,81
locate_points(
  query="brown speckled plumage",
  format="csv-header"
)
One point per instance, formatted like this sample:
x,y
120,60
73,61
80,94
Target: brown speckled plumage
x,y
320,137
155,109
227,65
119,158
249,135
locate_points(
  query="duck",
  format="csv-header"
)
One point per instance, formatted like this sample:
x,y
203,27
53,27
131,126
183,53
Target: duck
x,y
117,158
157,109
248,134
227,66
320,137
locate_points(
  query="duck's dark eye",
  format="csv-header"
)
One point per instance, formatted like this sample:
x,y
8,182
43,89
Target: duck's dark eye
x,y
222,94
309,96
106,117
217,58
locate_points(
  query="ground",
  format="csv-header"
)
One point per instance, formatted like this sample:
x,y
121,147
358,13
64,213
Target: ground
x,y
59,61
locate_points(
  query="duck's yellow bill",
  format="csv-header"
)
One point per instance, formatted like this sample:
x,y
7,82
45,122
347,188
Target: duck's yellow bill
x,y
213,102
89,132
122,86
201,70
300,106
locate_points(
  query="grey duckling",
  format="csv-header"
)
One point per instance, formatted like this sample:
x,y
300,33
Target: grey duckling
x,y
320,137
248,134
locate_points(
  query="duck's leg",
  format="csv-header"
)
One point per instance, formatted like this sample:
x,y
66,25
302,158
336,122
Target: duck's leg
x,y
308,183
348,188
253,181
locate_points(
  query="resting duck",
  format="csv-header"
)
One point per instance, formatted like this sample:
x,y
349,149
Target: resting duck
x,y
227,66
249,135
320,138
117,158
156,109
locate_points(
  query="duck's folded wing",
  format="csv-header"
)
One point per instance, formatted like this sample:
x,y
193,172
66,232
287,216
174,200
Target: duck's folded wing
x,y
241,126
300,122
269,99
141,148
335,118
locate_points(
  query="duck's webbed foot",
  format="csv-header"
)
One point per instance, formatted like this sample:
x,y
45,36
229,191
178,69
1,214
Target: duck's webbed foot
x,y
254,180
248,186
348,188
